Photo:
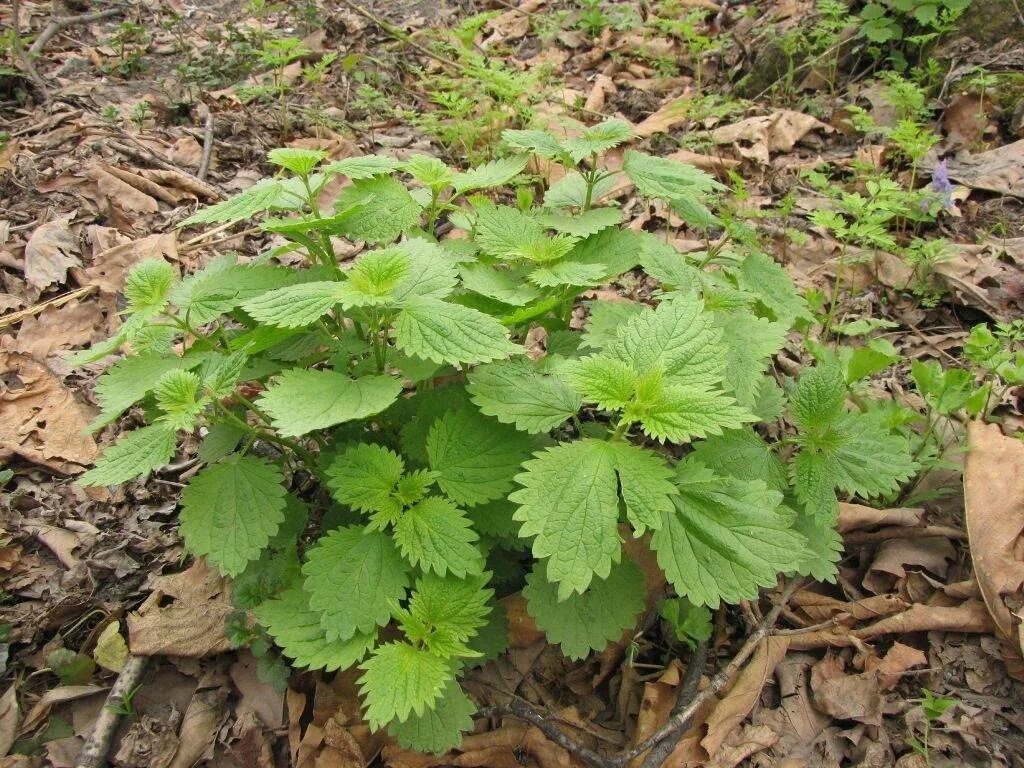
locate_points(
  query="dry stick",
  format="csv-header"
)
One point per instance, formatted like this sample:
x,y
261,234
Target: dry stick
x,y
687,690
19,49
94,751
63,22
16,317
204,162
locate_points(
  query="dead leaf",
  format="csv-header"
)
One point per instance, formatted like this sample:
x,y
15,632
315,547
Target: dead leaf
x,y
58,695
50,252
510,25
845,697
718,165
200,725
186,152
744,693
889,567
965,120
670,114
522,629
896,663
994,500
743,743
855,517
261,697
119,194
110,268
757,137
8,718
72,325
192,625
43,422
998,170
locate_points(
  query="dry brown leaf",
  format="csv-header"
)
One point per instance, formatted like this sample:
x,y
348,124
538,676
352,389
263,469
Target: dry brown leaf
x,y
757,137
889,567
192,625
119,194
744,693
994,499
50,252
513,24
8,718
110,268
670,114
718,165
72,325
522,629
965,120
845,697
998,170
819,608
855,517
62,693
143,185
43,423
895,664
743,743
259,696
186,152
199,726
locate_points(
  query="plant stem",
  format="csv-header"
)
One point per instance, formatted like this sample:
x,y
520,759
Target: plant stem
x,y
620,429
836,287
307,458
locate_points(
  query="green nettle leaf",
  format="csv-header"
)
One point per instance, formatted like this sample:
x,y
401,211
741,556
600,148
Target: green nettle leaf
x,y
726,537
678,337
429,171
507,233
135,454
603,380
300,401
571,190
645,482
130,379
505,285
569,501
295,306
365,476
444,613
667,179
450,333
475,457
496,173
440,727
260,197
567,273
612,249
761,274
400,680
749,343
223,285
515,392
363,167
680,413
540,143
352,578
598,139
296,629
230,510
742,453
824,546
591,620
148,286
221,440
663,262
437,536
604,321
817,402
177,394
301,162
584,224
392,210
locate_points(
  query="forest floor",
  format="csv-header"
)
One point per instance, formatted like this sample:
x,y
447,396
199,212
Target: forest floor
x,y
127,122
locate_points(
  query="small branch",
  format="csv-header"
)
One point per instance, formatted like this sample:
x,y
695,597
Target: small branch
x,y
16,317
523,711
94,751
204,162
63,22
24,57
687,690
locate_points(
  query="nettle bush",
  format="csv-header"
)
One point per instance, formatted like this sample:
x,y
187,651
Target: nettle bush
x,y
382,457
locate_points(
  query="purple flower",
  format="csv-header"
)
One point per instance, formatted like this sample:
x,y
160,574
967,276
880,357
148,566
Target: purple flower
x,y
941,184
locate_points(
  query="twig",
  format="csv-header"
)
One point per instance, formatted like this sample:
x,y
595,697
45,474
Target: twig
x,y
687,690
23,56
16,317
904,532
520,709
63,22
94,751
204,162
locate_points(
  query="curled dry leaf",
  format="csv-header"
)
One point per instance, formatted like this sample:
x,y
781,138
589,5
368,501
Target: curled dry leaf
x,y
8,719
43,422
757,137
855,517
994,496
50,252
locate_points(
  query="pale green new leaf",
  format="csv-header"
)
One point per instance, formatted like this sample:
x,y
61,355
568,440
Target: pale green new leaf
x,y
583,224
435,535
514,392
400,680
230,510
591,620
300,401
446,612
364,477
540,143
571,190
817,402
567,273
496,173
363,167
505,232
352,578
506,286
299,161
178,396
129,380
440,727
450,333
603,380
429,171
296,629
598,139
569,502
726,538
135,454
147,286
392,211
260,197
679,413
475,457
295,306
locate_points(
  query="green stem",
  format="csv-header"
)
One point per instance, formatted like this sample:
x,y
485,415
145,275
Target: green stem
x,y
620,429
836,286
307,458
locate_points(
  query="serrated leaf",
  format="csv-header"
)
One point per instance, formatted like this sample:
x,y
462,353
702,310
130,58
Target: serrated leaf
x,y
223,285
352,577
605,318
571,190
749,343
429,171
445,613
148,285
440,727
363,167
496,173
583,224
178,396
598,139
435,535
615,250
591,620
742,453
824,546
295,306
667,179
129,380
760,274
299,161
400,680
508,233
817,401
603,380
300,401
679,413
726,538
364,477
449,333
678,337
663,262
475,457
392,212
514,392
540,143
645,483
567,273
260,197
506,286
296,629
230,510
135,454
221,440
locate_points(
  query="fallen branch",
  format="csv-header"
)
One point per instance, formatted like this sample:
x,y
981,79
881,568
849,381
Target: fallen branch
x,y
94,751
687,690
24,57
58,23
16,317
520,709
204,162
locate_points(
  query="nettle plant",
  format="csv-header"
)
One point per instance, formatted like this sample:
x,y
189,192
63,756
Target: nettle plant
x,y
382,459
